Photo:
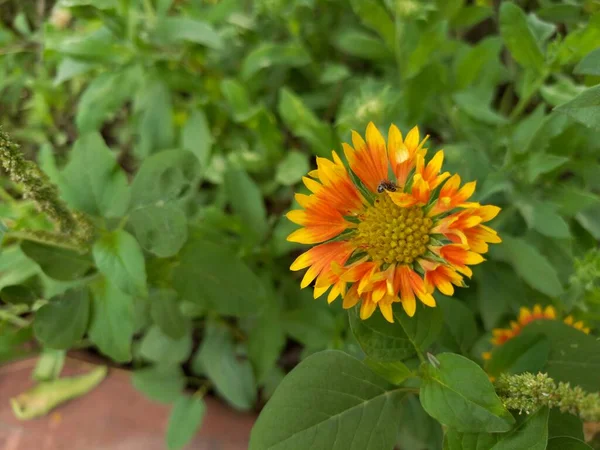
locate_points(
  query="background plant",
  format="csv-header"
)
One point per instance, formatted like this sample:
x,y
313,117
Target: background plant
x,y
181,130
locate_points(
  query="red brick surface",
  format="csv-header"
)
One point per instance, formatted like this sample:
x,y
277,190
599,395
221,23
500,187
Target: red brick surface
x,y
114,416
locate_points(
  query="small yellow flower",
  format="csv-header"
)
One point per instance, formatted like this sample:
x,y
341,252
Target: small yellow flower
x,y
387,226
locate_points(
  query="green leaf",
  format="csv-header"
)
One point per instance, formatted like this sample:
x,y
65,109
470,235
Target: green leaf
x,y
389,342
112,321
589,219
166,313
542,163
156,130
69,68
269,54
120,258
454,440
584,108
304,123
497,285
160,228
15,267
104,96
64,320
158,221
184,420
92,181
418,430
173,29
363,45
330,401
459,323
161,383
160,348
470,102
238,99
532,266
373,15
205,276
567,443
542,217
100,4
471,406
532,434
246,201
197,138
58,263
564,424
524,353
590,64
574,356
266,340
394,372
231,375
292,168
519,38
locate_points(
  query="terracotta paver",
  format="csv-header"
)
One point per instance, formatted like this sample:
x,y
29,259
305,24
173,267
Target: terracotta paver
x,y
114,416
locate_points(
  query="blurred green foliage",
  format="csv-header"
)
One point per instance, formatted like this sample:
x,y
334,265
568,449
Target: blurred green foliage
x,y
183,128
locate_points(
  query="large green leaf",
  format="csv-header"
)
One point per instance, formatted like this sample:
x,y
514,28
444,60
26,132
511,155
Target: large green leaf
x,y
590,65
531,434
330,401
532,266
574,356
92,181
524,353
231,375
155,127
64,320
384,341
213,276
584,108
162,383
246,200
162,349
58,263
375,16
165,309
455,440
519,37
269,54
460,329
104,96
112,321
158,221
304,123
184,420
567,443
467,406
120,258
173,29
197,138
266,340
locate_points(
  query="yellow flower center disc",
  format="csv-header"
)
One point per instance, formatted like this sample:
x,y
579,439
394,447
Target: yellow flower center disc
x,y
392,234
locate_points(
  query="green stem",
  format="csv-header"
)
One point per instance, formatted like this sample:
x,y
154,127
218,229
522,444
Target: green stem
x,y
41,239
8,316
524,101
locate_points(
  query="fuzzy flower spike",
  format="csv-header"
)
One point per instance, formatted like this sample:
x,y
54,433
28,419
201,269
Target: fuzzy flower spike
x,y
388,226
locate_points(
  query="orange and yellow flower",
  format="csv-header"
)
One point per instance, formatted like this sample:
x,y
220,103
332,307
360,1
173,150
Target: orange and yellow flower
x,y
387,226
501,335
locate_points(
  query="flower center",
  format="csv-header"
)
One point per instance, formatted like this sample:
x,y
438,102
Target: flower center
x,y
392,234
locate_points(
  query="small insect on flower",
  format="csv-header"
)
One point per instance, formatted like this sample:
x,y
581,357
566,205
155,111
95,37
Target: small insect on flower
x,y
386,185
377,242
